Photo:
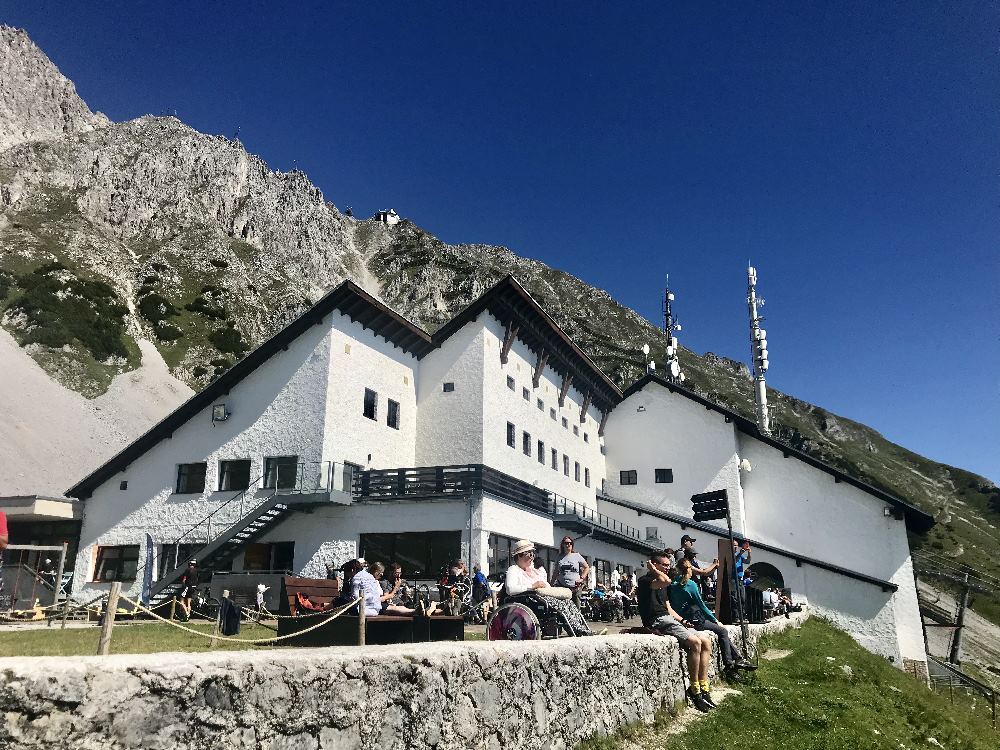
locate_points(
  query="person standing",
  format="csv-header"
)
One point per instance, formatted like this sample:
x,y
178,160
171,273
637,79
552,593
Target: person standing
x,y
189,587
737,599
571,570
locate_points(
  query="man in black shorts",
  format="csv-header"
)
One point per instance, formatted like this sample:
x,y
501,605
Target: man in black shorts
x,y
658,616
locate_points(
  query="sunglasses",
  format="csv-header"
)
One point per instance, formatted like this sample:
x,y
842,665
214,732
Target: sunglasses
x,y
567,543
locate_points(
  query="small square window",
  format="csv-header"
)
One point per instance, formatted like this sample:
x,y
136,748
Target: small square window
x,y
526,443
392,414
541,405
123,485
565,423
541,453
448,387
576,430
526,394
191,478
630,476
118,563
511,435
552,413
371,404
234,475
664,476
510,382
281,472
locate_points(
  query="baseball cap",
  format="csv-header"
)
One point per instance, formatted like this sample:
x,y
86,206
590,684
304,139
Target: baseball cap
x,y
687,538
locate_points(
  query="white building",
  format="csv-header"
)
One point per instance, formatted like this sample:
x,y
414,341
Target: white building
x,y
388,216
302,455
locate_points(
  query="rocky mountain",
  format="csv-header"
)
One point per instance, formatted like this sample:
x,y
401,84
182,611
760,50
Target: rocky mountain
x,y
123,243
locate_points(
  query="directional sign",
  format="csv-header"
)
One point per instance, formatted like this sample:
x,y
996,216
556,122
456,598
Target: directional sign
x,y
709,506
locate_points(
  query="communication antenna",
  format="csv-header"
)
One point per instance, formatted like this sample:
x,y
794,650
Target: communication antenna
x,y
758,350
671,325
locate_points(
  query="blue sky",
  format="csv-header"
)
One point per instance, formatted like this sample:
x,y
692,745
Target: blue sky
x,y
850,150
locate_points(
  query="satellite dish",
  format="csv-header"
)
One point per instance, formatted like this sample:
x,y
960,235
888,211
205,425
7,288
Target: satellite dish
x,y
670,296
675,369
761,334
645,349
670,351
677,327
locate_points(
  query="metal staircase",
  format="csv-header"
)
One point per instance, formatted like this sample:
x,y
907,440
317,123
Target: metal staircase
x,y
249,527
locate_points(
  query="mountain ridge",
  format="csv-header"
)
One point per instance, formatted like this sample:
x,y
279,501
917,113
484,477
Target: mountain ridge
x,y
115,234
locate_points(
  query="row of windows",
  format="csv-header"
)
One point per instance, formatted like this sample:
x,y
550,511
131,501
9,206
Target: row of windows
x,y
370,409
526,448
526,395
280,472
661,476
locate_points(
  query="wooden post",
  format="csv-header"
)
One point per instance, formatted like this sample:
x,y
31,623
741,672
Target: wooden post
x,y
218,619
59,574
361,623
104,644
173,608
65,613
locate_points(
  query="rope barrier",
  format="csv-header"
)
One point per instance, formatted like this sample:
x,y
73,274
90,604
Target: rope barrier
x,y
273,616
244,640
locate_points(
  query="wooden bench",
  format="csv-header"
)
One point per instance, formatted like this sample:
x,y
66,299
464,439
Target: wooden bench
x,y
379,630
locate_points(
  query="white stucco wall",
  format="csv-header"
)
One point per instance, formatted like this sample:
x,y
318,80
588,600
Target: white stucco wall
x,y
672,432
450,425
360,360
277,410
502,405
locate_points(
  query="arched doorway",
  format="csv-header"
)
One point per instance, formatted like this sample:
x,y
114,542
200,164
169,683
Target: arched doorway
x,y
766,576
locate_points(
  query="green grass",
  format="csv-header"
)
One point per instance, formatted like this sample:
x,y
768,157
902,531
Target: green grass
x,y
135,638
808,701
127,638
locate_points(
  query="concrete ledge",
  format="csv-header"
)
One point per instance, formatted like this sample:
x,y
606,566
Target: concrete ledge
x,y
505,695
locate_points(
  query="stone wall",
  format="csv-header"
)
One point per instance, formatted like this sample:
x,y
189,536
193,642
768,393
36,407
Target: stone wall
x,y
548,694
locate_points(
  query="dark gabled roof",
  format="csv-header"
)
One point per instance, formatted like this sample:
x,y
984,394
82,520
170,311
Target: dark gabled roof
x,y
509,302
347,297
916,519
685,522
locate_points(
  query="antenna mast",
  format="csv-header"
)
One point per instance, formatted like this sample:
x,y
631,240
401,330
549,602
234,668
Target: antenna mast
x,y
758,351
671,325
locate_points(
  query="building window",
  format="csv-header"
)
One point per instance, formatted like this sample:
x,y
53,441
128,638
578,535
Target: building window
x,y
448,387
555,459
586,477
371,404
510,382
552,413
576,430
541,453
576,470
511,435
117,563
280,472
526,443
234,475
191,478
173,556
629,477
123,485
602,571
586,438
423,554
541,405
565,423
664,476
526,394
392,414
604,451
565,464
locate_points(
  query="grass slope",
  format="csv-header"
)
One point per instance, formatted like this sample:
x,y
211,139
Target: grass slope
x,y
809,700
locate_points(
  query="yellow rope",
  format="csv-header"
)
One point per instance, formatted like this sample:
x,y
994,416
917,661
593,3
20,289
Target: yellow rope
x,y
242,640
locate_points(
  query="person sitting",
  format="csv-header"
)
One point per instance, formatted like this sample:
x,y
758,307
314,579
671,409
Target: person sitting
x,y
686,598
662,619
358,582
524,577
389,592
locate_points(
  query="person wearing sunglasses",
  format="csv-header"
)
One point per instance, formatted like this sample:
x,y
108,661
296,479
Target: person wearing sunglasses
x,y
523,577
571,570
